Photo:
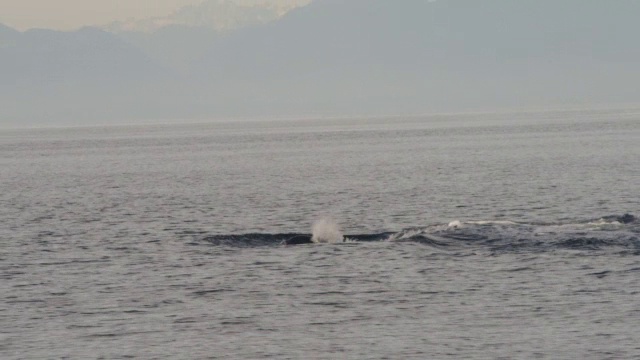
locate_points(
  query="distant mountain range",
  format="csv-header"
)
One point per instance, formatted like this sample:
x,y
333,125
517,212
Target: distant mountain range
x,y
8,36
179,38
218,15
332,57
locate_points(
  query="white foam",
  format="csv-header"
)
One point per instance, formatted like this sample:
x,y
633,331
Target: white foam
x,y
326,231
493,222
455,223
603,222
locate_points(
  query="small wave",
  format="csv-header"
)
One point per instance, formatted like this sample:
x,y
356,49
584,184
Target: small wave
x,y
495,236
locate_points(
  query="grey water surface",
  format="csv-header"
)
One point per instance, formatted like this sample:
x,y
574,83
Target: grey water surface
x,y
497,235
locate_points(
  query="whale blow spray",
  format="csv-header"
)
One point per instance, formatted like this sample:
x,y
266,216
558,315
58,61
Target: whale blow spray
x,y
326,231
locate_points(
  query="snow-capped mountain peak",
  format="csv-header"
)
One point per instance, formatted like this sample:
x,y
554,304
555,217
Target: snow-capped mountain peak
x,y
219,15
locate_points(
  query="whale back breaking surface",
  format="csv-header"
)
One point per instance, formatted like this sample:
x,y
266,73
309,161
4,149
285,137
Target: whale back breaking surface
x,y
620,232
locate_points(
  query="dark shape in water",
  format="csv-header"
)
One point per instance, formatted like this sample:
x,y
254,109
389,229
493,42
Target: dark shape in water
x,y
494,236
301,239
298,240
626,219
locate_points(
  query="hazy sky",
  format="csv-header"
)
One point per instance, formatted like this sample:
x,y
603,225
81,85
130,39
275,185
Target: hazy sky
x,y
71,14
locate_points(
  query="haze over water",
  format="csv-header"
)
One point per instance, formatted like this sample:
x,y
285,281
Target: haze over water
x,y
470,236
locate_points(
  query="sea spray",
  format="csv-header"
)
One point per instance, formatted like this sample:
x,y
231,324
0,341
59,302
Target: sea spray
x,y
326,230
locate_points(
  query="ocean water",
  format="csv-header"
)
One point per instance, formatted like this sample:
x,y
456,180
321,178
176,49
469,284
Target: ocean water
x,y
482,236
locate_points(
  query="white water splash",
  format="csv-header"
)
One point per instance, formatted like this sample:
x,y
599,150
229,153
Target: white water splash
x,y
455,224
326,231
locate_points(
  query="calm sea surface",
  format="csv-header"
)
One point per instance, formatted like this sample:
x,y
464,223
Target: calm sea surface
x,y
462,236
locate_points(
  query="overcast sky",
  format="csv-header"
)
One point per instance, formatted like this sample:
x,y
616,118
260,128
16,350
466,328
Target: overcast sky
x,y
71,14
